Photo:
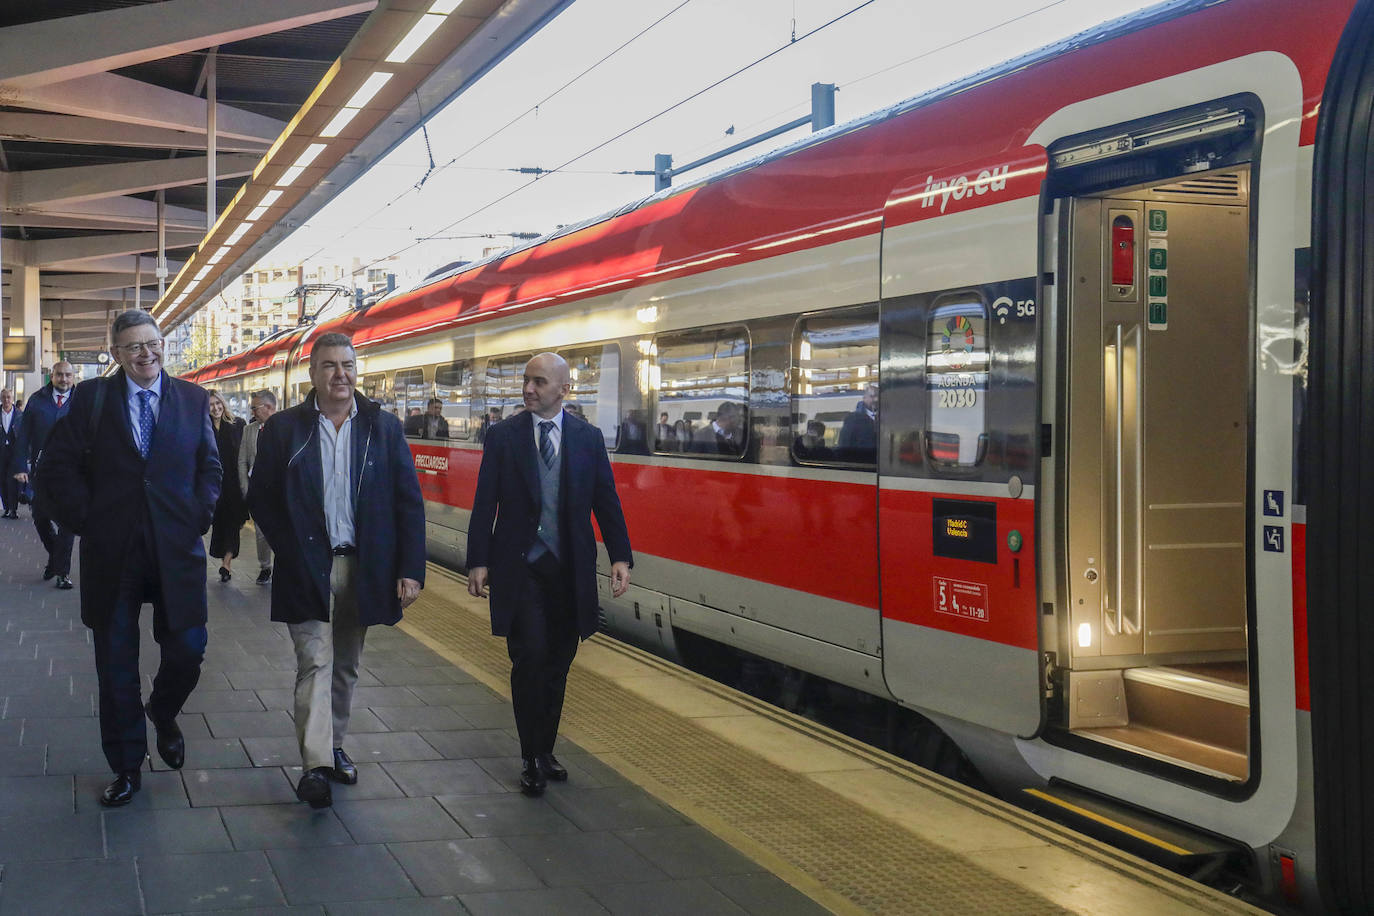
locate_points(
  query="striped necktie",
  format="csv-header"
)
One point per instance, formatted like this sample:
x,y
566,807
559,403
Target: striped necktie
x,y
546,442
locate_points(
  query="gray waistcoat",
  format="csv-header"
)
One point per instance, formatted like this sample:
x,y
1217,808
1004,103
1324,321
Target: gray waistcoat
x,y
550,479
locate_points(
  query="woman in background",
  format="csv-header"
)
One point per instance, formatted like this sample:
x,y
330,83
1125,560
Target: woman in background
x,y
231,511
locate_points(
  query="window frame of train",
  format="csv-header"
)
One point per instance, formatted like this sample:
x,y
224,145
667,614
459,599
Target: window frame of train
x,y
604,400
459,395
516,359
376,387
405,388
803,350
740,334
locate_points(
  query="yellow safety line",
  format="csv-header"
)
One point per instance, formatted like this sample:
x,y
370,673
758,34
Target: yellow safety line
x,y
1108,822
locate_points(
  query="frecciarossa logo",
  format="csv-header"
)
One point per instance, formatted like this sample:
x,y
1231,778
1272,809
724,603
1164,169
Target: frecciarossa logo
x,y
937,193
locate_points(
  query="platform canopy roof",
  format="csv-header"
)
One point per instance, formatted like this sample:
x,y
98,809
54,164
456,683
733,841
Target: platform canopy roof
x,y
105,111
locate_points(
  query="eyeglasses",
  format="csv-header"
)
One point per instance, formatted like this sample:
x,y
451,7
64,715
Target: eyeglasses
x,y
142,346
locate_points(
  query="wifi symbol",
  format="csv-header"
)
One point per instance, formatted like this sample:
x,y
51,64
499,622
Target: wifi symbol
x,y
1001,308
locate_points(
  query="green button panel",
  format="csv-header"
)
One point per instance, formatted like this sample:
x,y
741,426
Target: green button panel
x,y
1159,286
1159,313
1159,221
1159,258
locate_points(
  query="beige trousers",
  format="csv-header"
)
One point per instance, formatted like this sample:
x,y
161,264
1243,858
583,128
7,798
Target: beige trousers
x,y
327,654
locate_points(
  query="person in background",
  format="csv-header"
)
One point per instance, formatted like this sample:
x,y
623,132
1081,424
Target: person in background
x,y
724,435
665,438
430,424
860,429
9,429
262,404
231,511
137,480
335,491
544,473
49,405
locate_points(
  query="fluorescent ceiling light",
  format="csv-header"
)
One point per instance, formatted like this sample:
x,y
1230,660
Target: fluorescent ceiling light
x,y
270,198
419,33
255,215
289,175
339,122
214,258
444,7
179,299
370,87
236,234
307,157
203,271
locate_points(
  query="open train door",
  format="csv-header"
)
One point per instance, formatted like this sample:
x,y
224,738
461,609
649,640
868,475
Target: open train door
x,y
958,445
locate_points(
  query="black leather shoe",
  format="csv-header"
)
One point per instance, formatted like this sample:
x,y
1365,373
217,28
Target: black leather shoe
x,y
225,575
344,771
314,788
551,768
122,790
64,583
48,573
171,744
265,577
532,781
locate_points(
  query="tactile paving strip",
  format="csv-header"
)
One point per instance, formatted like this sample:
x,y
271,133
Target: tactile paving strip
x,y
860,860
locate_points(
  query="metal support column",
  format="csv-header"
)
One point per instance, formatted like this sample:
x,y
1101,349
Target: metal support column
x,y
138,281
211,104
822,106
161,268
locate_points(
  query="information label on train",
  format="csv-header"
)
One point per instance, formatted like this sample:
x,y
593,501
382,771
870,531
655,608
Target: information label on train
x,y
961,599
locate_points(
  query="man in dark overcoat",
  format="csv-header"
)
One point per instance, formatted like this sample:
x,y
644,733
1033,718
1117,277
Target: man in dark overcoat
x,y
335,492
48,405
544,474
138,483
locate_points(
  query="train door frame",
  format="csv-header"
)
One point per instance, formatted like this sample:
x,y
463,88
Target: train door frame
x,y
1259,810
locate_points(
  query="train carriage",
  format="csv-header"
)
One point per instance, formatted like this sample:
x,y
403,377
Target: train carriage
x,y
1029,409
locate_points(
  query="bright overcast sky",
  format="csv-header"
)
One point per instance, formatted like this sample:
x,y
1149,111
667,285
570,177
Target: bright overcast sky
x,y
533,110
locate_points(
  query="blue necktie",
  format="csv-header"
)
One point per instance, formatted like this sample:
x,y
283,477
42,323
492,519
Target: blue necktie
x,y
145,421
546,442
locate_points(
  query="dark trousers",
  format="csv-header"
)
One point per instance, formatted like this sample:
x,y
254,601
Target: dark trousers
x,y
57,541
542,643
123,731
9,490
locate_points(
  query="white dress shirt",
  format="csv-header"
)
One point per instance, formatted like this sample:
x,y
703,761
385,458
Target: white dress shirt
x,y
7,418
336,457
555,434
131,390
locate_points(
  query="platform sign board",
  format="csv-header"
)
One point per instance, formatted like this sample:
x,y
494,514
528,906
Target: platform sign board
x,y
19,355
98,357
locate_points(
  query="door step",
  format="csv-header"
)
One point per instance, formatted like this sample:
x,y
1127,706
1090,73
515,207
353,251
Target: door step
x,y
1172,845
1190,705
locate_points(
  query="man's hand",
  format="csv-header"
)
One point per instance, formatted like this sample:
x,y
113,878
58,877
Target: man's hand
x,y
22,477
407,590
477,581
620,578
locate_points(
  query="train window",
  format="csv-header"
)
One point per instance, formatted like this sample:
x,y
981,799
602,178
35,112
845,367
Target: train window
x,y
703,387
505,378
453,386
412,393
957,382
376,386
595,387
835,388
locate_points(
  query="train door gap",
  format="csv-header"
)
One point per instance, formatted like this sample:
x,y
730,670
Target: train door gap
x,y
1151,466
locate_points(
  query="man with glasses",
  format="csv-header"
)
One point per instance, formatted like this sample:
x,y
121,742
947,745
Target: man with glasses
x,y
49,405
134,471
262,404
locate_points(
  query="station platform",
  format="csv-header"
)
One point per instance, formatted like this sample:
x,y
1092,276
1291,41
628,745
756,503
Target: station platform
x,y
684,797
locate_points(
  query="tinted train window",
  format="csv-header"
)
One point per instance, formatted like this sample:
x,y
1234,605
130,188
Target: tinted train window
x,y
453,386
957,382
505,377
835,388
703,387
412,394
377,387
595,388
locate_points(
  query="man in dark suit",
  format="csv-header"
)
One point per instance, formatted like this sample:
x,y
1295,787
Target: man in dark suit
x,y
724,435
860,429
137,481
544,474
430,424
46,407
9,429
334,489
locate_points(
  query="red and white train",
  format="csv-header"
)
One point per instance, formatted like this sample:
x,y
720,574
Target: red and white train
x,y
1107,522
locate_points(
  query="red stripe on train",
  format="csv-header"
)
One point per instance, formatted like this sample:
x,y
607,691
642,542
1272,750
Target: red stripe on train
x,y
1302,687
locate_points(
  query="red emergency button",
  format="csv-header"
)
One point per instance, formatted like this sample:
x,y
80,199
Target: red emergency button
x,y
1123,251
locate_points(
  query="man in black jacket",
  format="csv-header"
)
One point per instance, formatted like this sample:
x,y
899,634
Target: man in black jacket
x,y
544,474
335,492
138,482
46,407
9,430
